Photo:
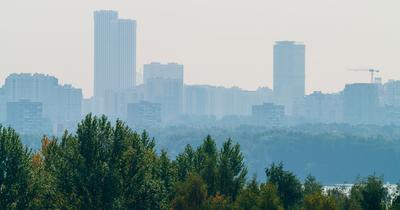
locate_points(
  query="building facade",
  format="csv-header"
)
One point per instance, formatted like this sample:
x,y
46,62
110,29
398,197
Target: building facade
x,y
114,56
144,114
361,103
164,85
26,117
268,114
289,73
60,104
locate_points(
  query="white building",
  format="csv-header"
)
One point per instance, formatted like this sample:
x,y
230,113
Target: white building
x,y
114,56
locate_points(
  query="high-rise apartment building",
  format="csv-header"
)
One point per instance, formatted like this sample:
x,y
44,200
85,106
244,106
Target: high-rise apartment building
x,y
361,103
289,73
26,117
61,104
3,105
164,85
114,53
392,93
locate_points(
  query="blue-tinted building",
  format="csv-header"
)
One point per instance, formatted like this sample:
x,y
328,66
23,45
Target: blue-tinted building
x,y
361,103
60,104
26,117
268,114
164,85
144,114
289,73
114,55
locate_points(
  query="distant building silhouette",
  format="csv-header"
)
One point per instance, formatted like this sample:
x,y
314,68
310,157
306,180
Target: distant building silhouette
x,y
392,93
361,103
206,100
323,108
62,105
3,106
114,56
144,114
26,117
289,73
164,85
268,114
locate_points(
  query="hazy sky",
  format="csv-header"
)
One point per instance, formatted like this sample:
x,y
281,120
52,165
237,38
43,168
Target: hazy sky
x,y
220,42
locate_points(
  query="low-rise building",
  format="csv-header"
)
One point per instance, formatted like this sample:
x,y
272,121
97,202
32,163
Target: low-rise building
x,y
268,114
144,114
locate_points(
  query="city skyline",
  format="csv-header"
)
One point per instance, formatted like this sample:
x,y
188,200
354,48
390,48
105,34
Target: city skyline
x,y
333,44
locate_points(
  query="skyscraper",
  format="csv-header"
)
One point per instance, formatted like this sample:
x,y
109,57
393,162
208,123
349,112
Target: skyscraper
x,y
114,53
289,73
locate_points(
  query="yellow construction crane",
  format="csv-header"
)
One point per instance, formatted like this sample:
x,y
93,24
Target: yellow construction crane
x,y
371,71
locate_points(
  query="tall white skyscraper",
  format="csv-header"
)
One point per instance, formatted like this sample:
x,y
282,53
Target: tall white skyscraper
x,y
289,73
114,53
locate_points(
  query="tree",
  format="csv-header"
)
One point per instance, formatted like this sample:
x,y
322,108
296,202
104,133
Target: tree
x,y
231,170
312,186
190,194
106,167
43,186
318,201
168,176
288,186
395,205
248,197
206,164
269,198
15,174
185,163
369,193
218,202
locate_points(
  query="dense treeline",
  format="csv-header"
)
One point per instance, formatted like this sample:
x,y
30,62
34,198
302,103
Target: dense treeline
x,y
329,152
105,166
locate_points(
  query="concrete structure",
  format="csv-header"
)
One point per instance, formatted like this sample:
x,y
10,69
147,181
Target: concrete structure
x,y
26,117
392,93
289,73
3,106
144,114
61,104
114,56
268,114
163,84
361,103
323,108
205,100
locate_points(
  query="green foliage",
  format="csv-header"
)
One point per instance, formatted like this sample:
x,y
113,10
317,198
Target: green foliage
x,y
231,170
269,198
224,171
190,194
15,174
248,197
317,201
369,194
395,205
105,166
312,186
288,186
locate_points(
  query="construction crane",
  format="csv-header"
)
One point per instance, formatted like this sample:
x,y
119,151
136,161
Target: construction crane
x,y
371,71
